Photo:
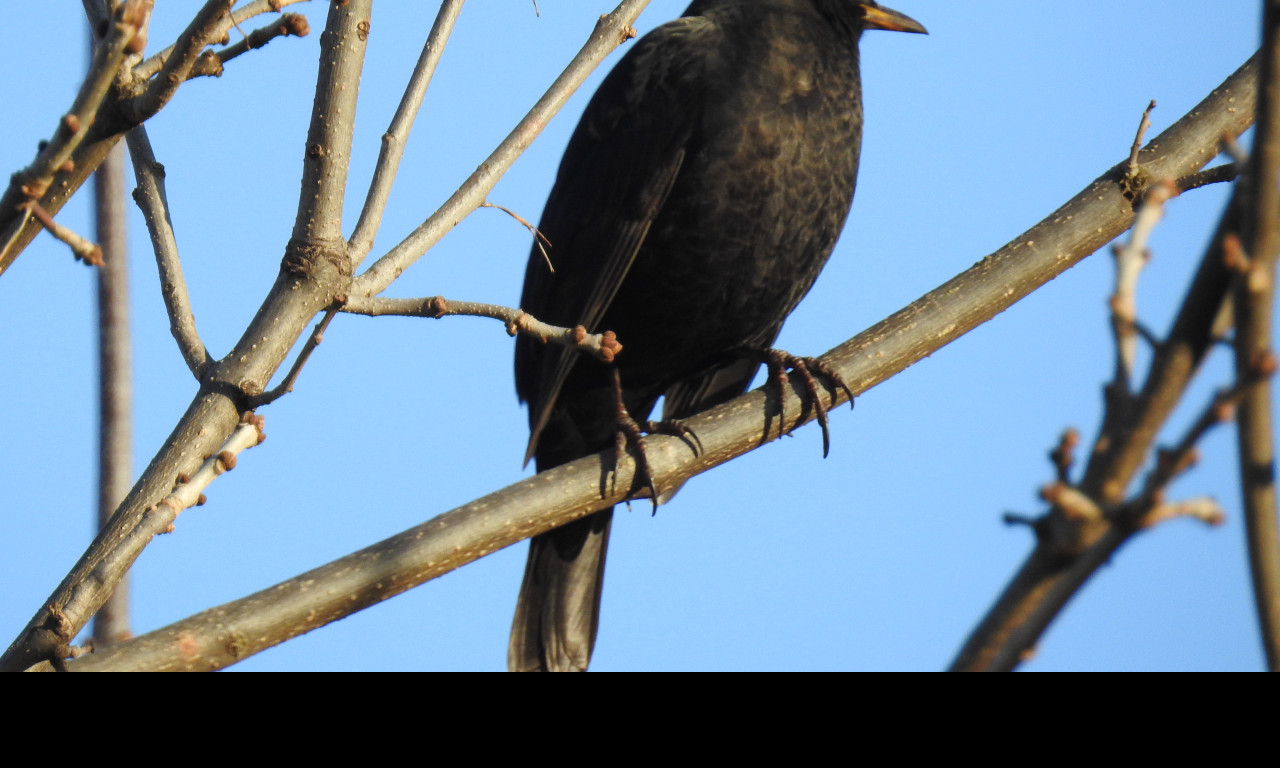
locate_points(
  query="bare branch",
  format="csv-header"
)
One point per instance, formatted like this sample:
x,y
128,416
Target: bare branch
x,y
202,30
611,30
55,155
289,24
1174,461
602,346
397,135
328,151
539,239
1214,175
1255,297
188,492
291,378
1143,125
154,204
152,65
82,247
1129,261
1205,510
313,273
115,375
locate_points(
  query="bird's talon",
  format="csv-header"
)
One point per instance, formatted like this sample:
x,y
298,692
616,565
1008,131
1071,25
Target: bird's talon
x,y
808,369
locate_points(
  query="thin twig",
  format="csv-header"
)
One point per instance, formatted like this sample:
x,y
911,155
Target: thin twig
x,y
189,491
603,346
154,204
203,29
1172,462
1214,175
539,239
144,71
1130,258
82,247
291,378
610,31
397,134
1143,125
1205,510
289,24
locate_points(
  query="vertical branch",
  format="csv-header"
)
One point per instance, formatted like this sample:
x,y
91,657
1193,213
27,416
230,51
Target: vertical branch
x,y
397,134
115,386
1255,296
328,151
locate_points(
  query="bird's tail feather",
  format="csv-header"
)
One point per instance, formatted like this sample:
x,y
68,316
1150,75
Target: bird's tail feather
x,y
558,610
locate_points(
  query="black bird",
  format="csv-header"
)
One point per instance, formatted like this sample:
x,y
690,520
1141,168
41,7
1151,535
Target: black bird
x,y
698,199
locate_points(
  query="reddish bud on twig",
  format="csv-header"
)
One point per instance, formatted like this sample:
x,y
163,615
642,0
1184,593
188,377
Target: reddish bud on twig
x,y
295,24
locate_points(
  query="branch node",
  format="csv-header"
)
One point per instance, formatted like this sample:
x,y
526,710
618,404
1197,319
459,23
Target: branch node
x,y
1073,503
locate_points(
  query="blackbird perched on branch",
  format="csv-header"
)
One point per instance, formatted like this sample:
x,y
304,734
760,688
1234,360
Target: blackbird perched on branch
x,y
698,199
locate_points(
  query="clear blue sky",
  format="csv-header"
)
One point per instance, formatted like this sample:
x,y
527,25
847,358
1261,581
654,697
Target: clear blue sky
x,y
881,557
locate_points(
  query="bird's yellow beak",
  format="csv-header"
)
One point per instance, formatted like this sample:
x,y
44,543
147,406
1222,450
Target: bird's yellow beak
x,y
879,17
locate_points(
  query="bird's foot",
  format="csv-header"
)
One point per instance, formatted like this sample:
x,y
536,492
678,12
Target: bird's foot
x,y
809,369
632,432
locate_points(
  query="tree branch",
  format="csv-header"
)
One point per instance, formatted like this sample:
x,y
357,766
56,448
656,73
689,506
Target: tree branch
x,y
203,29
397,135
603,346
610,31
154,203
32,182
145,70
1069,549
1255,296
313,273
115,375
16,226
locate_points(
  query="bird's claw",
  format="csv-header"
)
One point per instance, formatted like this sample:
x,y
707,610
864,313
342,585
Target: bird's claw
x,y
809,369
631,432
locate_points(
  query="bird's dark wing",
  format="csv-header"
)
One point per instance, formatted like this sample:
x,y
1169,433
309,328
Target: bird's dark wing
x,y
616,173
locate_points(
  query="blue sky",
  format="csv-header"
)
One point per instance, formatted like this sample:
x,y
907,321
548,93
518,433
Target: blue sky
x,y
881,557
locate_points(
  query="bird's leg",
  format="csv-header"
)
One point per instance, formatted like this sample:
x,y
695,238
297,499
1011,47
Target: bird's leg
x,y
632,432
809,369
